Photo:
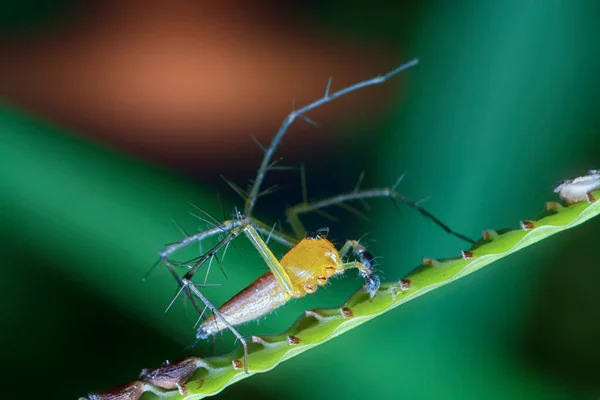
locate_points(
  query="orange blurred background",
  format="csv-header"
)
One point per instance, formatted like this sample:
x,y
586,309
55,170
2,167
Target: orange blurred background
x,y
188,82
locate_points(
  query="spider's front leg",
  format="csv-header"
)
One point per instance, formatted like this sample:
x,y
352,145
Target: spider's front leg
x,y
364,265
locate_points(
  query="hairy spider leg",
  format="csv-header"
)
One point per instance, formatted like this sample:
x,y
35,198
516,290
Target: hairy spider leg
x,y
274,234
227,226
182,288
279,272
280,275
265,252
191,288
327,97
293,212
238,225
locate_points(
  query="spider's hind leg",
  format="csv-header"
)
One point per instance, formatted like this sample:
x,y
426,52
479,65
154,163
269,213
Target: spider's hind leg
x,y
201,334
185,283
341,200
194,294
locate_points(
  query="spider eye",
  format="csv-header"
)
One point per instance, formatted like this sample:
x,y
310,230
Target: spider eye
x,y
313,236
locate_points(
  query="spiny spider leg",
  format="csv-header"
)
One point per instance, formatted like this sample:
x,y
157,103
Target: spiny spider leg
x,y
258,243
264,251
275,235
293,212
211,253
269,258
217,314
238,225
197,237
182,286
183,283
327,97
279,237
276,268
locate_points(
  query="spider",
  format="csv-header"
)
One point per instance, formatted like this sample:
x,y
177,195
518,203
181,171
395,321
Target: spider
x,y
310,262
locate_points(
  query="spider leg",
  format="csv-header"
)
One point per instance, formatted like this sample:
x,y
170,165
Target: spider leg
x,y
272,262
226,226
192,291
218,315
184,282
364,265
293,212
277,236
327,97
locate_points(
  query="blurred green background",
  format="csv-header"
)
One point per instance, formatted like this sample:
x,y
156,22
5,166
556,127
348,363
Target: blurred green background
x,y
502,106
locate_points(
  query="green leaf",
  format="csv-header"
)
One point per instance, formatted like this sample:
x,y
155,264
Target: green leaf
x,y
318,326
